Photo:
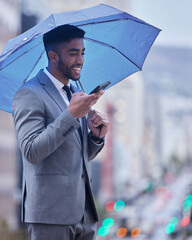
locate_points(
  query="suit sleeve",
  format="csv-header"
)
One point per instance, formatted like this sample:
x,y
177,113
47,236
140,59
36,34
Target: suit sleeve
x,y
93,148
36,140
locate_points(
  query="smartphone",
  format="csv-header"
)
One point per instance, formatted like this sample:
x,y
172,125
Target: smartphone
x,y
101,86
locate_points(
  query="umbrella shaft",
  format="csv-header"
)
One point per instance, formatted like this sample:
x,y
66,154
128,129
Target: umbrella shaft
x,y
80,86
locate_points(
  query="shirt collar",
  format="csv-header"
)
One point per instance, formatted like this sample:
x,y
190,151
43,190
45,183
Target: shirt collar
x,y
55,81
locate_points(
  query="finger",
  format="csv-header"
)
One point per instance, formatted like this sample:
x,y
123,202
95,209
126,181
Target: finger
x,y
97,115
90,113
91,96
94,114
79,94
90,100
99,121
100,92
102,122
96,120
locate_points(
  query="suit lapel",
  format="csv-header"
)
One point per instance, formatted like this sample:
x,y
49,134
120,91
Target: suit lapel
x,y
51,90
54,94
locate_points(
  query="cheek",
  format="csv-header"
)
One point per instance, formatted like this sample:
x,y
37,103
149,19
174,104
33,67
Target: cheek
x,y
62,64
68,62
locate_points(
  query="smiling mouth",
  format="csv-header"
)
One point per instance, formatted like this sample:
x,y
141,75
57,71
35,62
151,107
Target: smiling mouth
x,y
77,70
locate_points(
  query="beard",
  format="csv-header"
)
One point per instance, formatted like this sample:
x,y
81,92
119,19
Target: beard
x,y
67,72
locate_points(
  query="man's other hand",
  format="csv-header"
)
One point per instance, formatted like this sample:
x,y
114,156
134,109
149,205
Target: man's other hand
x,y
96,119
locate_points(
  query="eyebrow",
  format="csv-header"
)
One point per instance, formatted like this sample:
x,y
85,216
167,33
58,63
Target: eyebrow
x,y
75,50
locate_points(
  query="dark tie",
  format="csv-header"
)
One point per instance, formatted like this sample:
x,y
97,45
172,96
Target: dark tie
x,y
69,96
67,90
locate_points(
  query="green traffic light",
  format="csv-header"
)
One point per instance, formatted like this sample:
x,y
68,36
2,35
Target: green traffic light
x,y
188,200
186,207
174,220
108,222
119,205
103,231
170,228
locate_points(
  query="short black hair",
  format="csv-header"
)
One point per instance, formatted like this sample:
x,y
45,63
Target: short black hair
x,y
63,33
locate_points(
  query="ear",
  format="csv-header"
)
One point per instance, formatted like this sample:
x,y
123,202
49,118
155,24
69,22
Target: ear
x,y
53,57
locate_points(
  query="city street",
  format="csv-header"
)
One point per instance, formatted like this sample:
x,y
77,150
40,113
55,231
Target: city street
x,y
151,212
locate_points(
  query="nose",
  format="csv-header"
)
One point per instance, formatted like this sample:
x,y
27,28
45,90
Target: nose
x,y
80,59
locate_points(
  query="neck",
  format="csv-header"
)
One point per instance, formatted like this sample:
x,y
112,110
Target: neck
x,y
58,75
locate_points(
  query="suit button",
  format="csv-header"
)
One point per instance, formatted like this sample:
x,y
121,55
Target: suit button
x,y
82,175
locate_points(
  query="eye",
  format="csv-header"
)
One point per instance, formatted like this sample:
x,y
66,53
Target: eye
x,y
73,54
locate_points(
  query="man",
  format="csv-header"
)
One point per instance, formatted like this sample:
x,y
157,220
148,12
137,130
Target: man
x,y
52,133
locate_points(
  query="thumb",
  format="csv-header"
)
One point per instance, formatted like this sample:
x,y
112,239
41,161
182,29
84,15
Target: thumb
x,y
79,94
91,113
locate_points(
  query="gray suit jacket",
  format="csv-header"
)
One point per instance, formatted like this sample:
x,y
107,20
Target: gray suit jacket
x,y
53,155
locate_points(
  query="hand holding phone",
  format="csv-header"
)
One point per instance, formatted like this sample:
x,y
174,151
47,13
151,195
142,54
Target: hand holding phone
x,y
101,86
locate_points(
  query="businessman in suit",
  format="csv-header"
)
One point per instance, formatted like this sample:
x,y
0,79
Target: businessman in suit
x,y
58,134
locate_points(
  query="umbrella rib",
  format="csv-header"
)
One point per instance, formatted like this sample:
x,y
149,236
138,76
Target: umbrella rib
x,y
113,20
81,85
20,55
109,46
104,21
34,66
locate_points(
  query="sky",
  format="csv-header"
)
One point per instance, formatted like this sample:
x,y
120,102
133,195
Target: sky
x,y
174,17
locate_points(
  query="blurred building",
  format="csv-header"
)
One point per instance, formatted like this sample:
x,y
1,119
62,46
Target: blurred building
x,y
168,101
121,161
127,99
9,19
67,5
8,171
9,28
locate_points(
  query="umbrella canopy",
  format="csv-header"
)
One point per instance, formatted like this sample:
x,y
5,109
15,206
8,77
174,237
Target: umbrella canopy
x,y
116,46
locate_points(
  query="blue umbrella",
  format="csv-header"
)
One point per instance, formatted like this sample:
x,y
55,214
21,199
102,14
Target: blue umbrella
x,y
116,46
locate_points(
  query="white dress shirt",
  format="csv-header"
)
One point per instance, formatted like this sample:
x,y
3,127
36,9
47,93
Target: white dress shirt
x,y
58,85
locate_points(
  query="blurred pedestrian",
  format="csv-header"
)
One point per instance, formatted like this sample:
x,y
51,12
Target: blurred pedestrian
x,y
58,134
